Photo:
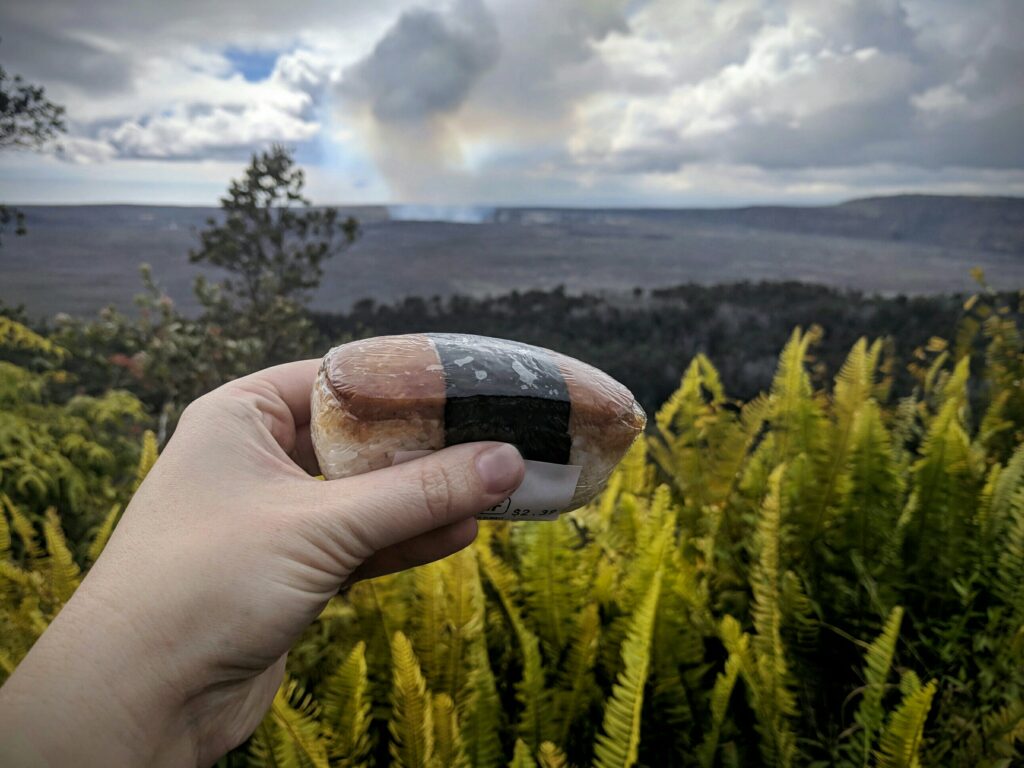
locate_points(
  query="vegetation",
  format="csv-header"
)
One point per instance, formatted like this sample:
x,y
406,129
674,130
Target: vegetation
x,y
28,120
821,575
271,243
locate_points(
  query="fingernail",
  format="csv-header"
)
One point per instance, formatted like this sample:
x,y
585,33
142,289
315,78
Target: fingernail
x,y
500,468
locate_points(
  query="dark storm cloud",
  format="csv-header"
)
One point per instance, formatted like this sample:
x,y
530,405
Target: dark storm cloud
x,y
426,63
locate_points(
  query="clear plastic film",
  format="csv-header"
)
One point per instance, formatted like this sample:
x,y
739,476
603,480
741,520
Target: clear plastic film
x,y
379,399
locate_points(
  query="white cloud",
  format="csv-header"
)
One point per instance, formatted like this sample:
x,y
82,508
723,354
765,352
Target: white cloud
x,y
545,100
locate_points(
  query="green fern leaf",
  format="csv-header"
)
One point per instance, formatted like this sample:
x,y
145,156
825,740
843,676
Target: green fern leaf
x,y
535,721
550,756
577,689
412,721
619,742
481,713
878,662
346,707
521,757
901,740
296,717
147,457
448,748
63,571
103,533
720,695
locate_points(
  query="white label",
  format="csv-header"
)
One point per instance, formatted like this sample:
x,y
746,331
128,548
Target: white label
x,y
545,491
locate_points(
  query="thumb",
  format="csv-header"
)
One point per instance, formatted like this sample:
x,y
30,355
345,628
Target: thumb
x,y
388,506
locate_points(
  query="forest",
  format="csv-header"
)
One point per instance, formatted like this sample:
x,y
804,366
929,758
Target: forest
x,y
813,557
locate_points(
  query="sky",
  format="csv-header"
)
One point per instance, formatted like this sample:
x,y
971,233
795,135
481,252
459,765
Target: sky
x,y
524,102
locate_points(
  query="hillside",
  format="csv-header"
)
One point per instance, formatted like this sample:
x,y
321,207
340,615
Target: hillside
x,y
79,258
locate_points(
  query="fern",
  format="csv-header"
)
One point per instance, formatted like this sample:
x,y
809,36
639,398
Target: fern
x,y
63,571
297,739
901,740
521,757
448,749
429,621
550,756
464,613
147,457
619,741
103,533
412,722
878,661
720,695
577,689
481,713
23,527
534,698
773,699
346,707
550,580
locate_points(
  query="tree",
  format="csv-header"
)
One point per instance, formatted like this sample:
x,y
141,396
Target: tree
x,y
28,120
272,243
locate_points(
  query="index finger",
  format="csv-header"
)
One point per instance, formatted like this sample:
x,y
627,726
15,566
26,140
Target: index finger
x,y
291,383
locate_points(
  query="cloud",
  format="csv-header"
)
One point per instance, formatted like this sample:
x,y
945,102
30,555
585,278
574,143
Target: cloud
x,y
544,100
409,87
815,85
426,64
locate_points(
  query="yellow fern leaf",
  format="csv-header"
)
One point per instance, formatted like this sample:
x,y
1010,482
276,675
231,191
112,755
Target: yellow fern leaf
x,y
296,717
550,756
103,533
63,571
535,721
147,457
412,721
22,526
901,740
521,757
619,741
448,748
878,662
346,707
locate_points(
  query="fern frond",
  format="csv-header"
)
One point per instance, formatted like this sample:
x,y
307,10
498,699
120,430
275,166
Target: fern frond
x,y
521,757
774,702
429,621
412,721
295,714
23,527
901,740
346,707
550,580
550,756
720,695
1011,560
63,571
448,748
534,697
619,741
464,614
481,711
577,688
147,457
877,663
103,533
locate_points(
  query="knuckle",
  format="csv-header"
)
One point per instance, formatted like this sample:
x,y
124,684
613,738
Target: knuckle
x,y
436,485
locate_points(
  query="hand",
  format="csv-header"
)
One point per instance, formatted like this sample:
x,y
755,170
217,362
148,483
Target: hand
x,y
171,650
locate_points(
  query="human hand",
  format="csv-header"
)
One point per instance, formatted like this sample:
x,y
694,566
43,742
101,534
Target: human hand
x,y
172,648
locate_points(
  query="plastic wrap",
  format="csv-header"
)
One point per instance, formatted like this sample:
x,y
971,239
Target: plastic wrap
x,y
378,400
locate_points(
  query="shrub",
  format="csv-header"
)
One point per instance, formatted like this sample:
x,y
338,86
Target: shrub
x,y
809,578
